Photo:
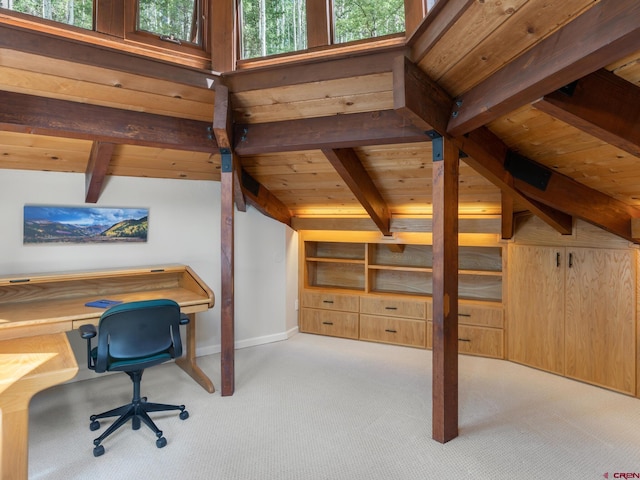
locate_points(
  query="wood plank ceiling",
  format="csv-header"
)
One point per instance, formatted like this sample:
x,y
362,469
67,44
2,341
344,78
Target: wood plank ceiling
x,y
487,74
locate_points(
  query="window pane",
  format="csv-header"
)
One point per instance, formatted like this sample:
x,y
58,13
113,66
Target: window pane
x,y
177,19
78,13
360,19
270,27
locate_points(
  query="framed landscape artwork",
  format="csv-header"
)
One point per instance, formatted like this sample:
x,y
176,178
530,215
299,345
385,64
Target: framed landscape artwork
x,y
61,224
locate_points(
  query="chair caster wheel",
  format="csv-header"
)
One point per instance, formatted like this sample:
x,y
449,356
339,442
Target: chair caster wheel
x,y
184,415
161,442
95,425
98,450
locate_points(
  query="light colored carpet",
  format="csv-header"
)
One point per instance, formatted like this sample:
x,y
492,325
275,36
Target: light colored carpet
x,y
318,408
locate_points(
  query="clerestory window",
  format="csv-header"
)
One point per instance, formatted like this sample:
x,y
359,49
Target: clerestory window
x,y
166,23
270,27
172,20
78,13
362,19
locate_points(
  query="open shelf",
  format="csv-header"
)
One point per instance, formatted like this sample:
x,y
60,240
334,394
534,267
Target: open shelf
x,y
400,269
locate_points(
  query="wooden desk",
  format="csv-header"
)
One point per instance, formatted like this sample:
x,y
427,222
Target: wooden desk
x,y
27,366
54,303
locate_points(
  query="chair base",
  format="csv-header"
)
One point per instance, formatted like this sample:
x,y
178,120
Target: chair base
x,y
138,411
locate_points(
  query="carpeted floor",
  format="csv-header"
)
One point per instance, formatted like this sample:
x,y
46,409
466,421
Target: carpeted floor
x,y
313,408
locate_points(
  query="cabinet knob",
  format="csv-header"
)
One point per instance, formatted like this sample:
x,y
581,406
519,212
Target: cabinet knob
x,y
327,323
464,314
388,330
464,340
327,301
390,308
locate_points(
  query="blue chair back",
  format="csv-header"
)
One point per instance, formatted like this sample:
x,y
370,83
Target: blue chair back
x,y
136,335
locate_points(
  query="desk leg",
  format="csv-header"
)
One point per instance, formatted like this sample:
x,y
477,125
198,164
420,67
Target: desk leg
x,y
188,361
14,441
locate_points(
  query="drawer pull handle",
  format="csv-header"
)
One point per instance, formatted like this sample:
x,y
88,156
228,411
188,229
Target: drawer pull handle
x,y
390,308
388,330
464,340
327,301
464,314
327,323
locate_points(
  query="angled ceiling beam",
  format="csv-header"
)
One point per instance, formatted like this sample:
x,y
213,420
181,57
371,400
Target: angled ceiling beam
x,y
608,30
439,21
336,131
222,129
487,155
600,104
39,43
99,160
423,102
350,168
61,118
264,201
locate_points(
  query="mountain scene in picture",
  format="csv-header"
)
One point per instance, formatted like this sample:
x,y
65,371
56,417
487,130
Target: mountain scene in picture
x,y
56,224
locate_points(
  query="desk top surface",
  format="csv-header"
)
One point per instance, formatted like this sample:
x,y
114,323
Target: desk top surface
x,y
40,300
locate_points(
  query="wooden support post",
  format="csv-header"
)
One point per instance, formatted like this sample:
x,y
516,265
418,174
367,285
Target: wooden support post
x,y
227,356
445,290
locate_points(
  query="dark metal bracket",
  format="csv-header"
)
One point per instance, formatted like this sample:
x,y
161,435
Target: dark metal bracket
x,y
437,149
227,160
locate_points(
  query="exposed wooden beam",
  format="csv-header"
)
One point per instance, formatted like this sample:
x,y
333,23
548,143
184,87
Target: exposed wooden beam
x,y
336,131
317,69
222,24
99,160
584,202
446,172
508,226
227,306
53,46
608,30
424,103
61,118
441,18
601,104
414,12
318,23
487,155
561,194
223,131
263,200
351,170
418,98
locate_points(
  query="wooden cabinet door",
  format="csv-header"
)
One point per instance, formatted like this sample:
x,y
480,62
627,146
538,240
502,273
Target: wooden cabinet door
x,y
600,317
535,327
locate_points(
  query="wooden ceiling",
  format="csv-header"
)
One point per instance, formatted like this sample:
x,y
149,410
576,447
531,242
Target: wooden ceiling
x,y
346,133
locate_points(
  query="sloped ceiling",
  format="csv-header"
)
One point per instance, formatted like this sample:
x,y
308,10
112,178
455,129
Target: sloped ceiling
x,y
348,134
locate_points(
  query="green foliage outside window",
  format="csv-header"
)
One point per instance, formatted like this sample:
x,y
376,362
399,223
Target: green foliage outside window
x,y
270,27
78,13
176,19
360,19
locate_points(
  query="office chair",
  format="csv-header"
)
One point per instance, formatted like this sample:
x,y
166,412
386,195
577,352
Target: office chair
x,y
131,337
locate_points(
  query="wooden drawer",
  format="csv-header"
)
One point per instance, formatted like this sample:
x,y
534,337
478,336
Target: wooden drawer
x,y
331,301
393,307
324,322
480,315
393,330
483,341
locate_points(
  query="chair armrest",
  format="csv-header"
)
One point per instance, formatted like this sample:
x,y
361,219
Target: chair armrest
x,y
87,331
184,318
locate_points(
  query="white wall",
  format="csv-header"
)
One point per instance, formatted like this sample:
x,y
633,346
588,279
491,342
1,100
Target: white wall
x,y
184,227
